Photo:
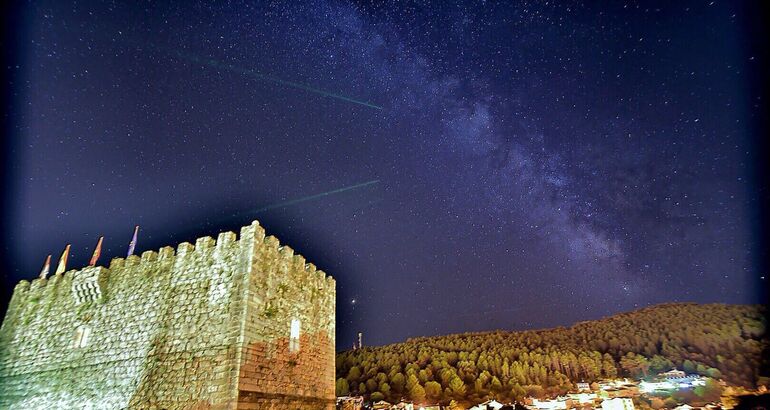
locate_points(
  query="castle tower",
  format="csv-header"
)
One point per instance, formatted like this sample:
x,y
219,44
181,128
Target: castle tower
x,y
222,324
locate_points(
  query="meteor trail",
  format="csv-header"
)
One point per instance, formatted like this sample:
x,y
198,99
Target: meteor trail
x,y
310,198
268,78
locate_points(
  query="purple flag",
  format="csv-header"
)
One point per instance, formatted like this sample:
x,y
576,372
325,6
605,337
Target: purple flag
x,y
132,245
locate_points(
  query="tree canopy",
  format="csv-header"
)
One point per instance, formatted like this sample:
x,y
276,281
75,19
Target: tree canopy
x,y
716,340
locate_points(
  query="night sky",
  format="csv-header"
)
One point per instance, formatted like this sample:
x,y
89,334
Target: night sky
x,y
456,167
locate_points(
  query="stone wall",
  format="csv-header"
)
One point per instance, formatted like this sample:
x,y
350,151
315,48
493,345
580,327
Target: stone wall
x,y
284,288
205,327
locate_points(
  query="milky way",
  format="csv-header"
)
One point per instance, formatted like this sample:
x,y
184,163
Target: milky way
x,y
538,164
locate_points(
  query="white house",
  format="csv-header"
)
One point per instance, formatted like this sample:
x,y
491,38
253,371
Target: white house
x,y
672,374
582,398
350,402
488,405
616,384
381,405
648,387
403,405
618,403
687,381
560,403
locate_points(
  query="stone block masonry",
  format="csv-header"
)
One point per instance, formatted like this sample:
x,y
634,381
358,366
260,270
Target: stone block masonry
x,y
231,323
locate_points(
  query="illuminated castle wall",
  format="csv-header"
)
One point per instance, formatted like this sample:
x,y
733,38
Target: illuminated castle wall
x,y
232,323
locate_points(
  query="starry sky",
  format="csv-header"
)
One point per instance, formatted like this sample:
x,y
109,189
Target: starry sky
x,y
456,166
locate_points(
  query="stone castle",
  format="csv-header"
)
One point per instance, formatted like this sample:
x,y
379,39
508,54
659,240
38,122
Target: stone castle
x,y
236,323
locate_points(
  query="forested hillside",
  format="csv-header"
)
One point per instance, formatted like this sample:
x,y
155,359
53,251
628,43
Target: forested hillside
x,y
715,340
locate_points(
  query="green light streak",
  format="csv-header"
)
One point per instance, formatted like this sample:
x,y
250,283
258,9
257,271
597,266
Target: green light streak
x,y
264,77
310,198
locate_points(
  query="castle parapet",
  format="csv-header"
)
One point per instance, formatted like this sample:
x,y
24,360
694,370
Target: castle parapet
x,y
149,256
225,238
166,252
184,248
133,260
22,286
204,243
90,283
116,263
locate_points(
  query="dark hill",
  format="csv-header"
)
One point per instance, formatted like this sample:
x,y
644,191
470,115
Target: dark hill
x,y
715,340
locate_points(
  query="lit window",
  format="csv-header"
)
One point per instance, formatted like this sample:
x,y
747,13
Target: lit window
x,y
81,336
294,336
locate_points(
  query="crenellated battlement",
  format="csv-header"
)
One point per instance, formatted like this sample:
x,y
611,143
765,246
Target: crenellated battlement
x,y
205,246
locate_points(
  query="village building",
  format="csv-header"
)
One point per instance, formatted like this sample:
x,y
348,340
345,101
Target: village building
x,y
488,405
618,404
583,398
583,386
559,403
653,386
350,403
671,383
672,374
381,405
617,384
403,405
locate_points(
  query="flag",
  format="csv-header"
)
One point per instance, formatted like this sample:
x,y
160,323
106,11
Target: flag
x,y
63,261
46,268
132,244
97,252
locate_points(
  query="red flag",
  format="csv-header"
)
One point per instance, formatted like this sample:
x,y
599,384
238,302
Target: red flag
x,y
63,261
132,245
46,268
97,252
